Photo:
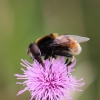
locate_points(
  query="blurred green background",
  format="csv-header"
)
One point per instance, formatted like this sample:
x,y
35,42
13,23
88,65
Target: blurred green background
x,y
23,21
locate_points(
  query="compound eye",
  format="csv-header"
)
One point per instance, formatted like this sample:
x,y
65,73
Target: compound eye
x,y
35,50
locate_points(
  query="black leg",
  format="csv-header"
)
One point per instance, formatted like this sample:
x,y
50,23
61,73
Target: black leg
x,y
66,61
69,63
46,57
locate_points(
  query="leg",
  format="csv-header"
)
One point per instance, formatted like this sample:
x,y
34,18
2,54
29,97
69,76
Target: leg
x,y
69,63
66,61
65,54
46,57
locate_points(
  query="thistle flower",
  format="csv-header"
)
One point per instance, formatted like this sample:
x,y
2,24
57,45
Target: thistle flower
x,y
53,82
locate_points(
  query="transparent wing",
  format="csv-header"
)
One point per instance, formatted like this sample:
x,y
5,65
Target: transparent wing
x,y
79,39
63,40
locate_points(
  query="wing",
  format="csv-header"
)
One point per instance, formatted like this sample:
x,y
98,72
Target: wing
x,y
79,39
60,41
64,40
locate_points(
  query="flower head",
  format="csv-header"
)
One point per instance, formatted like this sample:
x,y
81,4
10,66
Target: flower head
x,y
52,82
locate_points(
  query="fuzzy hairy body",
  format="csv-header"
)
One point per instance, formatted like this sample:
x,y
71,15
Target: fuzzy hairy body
x,y
53,45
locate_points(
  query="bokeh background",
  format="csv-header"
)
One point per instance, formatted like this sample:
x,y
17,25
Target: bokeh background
x,y
23,21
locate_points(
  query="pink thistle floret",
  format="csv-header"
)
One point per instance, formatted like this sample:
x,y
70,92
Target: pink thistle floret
x,y
53,82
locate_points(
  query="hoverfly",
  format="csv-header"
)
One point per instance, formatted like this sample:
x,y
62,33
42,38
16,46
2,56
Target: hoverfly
x,y
53,45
